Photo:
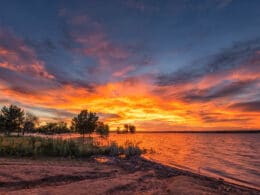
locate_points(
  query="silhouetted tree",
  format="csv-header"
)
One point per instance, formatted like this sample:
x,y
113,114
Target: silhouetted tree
x,y
2,123
54,128
85,122
118,130
30,122
62,127
126,128
102,129
132,129
47,128
12,119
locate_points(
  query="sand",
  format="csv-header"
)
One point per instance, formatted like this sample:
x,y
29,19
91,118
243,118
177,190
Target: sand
x,y
105,175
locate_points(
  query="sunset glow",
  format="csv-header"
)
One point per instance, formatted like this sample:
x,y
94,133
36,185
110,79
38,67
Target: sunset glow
x,y
57,59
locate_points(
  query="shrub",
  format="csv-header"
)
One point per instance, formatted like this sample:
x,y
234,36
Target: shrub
x,y
37,146
132,149
114,149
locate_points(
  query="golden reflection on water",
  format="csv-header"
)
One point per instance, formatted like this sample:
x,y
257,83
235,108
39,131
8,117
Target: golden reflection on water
x,y
164,148
234,157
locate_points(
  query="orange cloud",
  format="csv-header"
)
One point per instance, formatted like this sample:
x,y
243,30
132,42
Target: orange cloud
x,y
133,101
136,100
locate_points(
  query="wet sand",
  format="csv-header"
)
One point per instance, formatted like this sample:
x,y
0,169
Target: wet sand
x,y
105,175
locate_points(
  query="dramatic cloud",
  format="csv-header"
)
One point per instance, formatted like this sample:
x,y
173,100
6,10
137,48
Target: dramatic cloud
x,y
216,117
15,55
222,90
241,55
253,106
171,65
112,57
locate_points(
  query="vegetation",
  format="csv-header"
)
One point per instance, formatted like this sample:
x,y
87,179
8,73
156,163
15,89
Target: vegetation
x,y
37,146
53,128
118,130
85,122
30,123
102,129
128,128
132,129
12,119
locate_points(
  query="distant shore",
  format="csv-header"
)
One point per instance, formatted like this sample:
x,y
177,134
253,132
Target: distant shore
x,y
217,131
106,175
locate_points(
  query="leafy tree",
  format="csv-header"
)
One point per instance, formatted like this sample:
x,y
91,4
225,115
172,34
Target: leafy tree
x,y
12,119
132,129
30,122
85,122
102,129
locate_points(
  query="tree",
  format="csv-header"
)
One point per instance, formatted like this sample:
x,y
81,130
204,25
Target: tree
x,y
85,122
118,130
61,127
54,128
132,129
12,119
126,128
102,129
2,124
30,122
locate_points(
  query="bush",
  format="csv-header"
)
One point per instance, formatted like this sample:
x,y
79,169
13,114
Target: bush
x,y
132,150
114,149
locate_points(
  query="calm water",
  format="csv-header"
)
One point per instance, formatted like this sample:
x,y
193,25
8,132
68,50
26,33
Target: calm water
x,y
233,157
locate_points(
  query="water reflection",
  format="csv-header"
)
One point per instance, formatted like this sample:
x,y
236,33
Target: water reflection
x,y
234,157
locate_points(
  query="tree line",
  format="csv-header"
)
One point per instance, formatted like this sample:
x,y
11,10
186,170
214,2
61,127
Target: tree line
x,y
128,128
14,120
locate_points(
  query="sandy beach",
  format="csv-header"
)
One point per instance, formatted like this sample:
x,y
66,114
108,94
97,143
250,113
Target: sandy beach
x,y
105,175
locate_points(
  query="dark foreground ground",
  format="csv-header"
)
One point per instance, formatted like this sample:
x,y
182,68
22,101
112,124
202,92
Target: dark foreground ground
x,y
105,176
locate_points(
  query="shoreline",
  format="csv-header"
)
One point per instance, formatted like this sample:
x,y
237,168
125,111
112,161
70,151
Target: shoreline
x,y
232,181
115,175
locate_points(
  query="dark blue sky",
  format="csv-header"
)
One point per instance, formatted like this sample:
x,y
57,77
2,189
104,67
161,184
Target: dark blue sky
x,y
169,33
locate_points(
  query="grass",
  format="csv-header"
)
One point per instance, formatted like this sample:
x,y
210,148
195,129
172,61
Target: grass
x,y
50,147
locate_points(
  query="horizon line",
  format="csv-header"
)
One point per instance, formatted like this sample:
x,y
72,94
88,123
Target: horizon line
x,y
194,131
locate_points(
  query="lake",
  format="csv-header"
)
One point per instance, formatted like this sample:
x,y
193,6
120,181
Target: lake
x,y
233,157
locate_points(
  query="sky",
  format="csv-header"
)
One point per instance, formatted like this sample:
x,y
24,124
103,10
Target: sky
x,y
160,65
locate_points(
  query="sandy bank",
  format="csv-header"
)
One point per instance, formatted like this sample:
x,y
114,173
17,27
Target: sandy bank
x,y
105,176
